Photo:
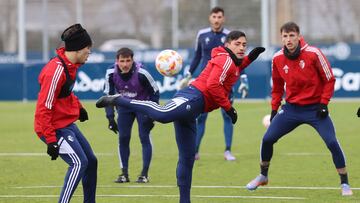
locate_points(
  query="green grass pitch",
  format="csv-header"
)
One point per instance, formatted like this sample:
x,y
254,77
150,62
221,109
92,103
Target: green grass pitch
x,y
301,169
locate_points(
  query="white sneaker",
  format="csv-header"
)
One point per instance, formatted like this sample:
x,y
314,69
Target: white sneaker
x,y
260,180
346,190
228,156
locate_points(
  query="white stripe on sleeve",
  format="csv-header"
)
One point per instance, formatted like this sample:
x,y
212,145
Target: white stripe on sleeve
x,y
53,85
149,78
226,67
323,63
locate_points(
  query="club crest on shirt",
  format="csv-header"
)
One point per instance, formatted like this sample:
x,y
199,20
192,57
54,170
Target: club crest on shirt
x,y
223,40
286,69
70,138
207,40
302,64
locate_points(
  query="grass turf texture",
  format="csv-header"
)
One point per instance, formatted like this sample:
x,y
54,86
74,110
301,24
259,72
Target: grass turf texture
x,y
300,159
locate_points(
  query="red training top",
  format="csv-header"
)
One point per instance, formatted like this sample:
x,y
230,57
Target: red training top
x,y
217,79
308,79
52,112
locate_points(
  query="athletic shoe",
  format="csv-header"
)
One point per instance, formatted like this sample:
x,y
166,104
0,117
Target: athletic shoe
x,y
106,100
259,180
228,156
122,179
142,179
346,190
197,156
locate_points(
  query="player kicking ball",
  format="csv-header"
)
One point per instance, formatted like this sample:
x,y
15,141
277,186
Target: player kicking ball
x,y
206,93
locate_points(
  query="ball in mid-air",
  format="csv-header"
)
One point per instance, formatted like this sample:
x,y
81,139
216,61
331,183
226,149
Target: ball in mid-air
x,y
168,62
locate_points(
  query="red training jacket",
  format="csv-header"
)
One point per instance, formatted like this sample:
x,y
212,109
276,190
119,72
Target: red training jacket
x,y
217,79
52,112
307,79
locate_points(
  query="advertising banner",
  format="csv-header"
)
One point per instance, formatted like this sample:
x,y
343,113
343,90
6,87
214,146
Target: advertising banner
x,y
20,82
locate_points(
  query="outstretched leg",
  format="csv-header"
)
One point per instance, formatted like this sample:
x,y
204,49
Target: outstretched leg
x,y
187,103
326,130
284,122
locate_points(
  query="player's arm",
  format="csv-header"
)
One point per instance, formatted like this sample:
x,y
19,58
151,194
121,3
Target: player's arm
x,y
51,83
193,65
148,82
215,82
252,56
197,55
244,83
278,87
109,89
327,76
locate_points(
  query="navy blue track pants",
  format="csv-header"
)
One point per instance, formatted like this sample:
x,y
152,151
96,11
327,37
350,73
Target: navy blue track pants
x,y
291,116
125,120
182,109
76,151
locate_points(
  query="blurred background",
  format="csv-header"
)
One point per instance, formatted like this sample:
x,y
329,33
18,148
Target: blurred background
x,y
30,32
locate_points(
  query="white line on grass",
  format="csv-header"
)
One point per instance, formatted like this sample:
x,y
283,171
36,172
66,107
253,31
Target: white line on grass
x,y
194,186
20,154
8,154
172,196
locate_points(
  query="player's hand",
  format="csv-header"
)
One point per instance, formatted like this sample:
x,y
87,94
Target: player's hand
x,y
255,53
113,126
233,114
244,86
273,114
323,111
358,112
83,116
53,150
185,81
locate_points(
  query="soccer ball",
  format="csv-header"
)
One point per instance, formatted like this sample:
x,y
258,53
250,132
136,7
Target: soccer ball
x,y
266,120
168,63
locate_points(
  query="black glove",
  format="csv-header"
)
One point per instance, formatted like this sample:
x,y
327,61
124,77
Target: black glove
x,y
358,113
233,114
113,126
255,53
273,113
323,111
53,150
83,116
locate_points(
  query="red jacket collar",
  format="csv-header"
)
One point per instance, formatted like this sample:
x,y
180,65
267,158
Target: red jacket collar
x,y
61,52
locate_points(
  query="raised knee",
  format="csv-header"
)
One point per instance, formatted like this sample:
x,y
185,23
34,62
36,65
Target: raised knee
x,y
267,141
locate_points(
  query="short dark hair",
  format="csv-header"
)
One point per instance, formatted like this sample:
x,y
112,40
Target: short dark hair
x,y
234,35
290,27
217,9
124,52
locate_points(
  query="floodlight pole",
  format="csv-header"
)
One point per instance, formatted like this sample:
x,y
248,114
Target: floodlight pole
x,y
265,24
21,32
213,3
175,24
79,11
45,31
